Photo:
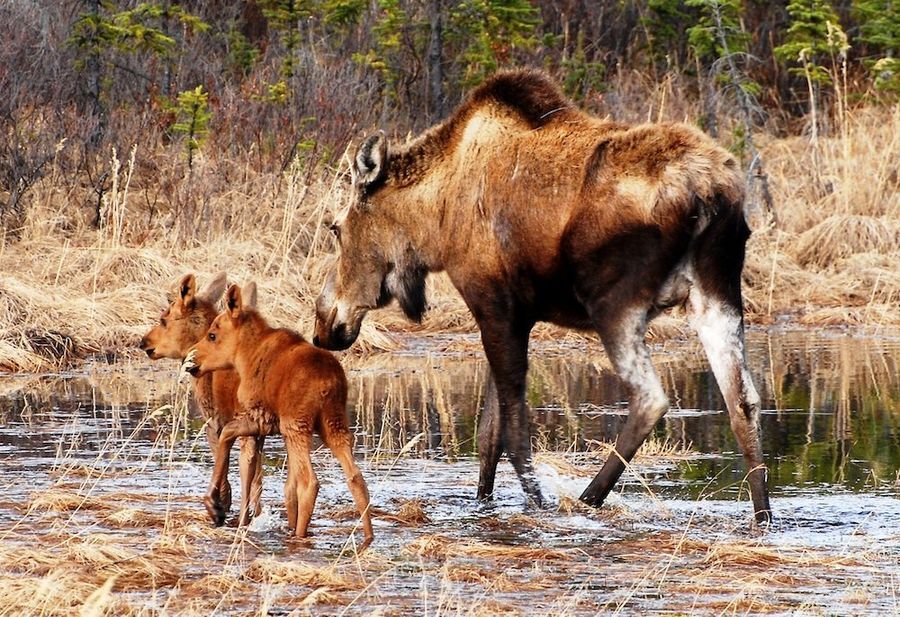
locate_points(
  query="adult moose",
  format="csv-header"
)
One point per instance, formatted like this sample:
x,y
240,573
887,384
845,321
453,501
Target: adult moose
x,y
541,212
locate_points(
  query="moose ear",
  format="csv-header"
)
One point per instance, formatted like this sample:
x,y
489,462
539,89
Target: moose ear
x,y
214,289
187,289
370,162
234,303
250,295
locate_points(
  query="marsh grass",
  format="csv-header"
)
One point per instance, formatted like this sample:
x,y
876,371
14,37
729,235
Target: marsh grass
x,y
67,289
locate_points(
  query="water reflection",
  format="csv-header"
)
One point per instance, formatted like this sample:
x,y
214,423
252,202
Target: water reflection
x,y
831,411
830,405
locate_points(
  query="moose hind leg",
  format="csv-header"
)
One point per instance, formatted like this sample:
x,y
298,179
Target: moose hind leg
x,y
342,451
290,496
304,477
720,327
623,339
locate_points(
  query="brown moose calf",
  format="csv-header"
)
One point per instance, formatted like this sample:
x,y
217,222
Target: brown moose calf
x,y
182,325
287,384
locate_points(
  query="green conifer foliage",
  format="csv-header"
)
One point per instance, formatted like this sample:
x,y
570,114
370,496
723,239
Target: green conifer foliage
x,y
809,40
193,116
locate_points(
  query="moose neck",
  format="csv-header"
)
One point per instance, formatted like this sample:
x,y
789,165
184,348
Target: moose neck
x,y
251,337
416,202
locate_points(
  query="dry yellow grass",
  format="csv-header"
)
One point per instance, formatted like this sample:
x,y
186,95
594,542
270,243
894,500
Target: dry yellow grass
x,y
831,257
67,289
54,563
441,547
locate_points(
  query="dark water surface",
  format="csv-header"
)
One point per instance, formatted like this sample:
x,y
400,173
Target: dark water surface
x,y
831,438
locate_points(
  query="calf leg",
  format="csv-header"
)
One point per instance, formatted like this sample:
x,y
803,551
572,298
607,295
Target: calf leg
x,y
720,326
212,436
251,478
213,500
623,338
355,482
290,496
305,481
490,440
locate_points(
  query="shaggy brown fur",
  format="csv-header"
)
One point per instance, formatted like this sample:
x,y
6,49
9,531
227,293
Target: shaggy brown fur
x,y
180,327
287,385
540,212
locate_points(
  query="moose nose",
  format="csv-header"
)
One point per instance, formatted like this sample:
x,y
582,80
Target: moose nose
x,y
316,340
143,343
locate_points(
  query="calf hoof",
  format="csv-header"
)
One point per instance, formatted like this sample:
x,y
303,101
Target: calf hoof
x,y
367,541
590,499
762,520
215,509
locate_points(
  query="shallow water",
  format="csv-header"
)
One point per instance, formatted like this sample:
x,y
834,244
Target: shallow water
x,y
831,437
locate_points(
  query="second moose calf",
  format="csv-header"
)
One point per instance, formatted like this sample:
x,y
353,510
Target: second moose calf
x,y
287,384
183,324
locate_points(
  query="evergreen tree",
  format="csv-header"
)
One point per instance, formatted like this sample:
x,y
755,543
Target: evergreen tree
x,y
487,32
879,30
809,41
103,36
193,116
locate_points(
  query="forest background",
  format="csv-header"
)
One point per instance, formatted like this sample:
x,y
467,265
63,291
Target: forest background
x,y
142,140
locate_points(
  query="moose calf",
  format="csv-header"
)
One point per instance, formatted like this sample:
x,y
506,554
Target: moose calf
x,y
287,384
183,324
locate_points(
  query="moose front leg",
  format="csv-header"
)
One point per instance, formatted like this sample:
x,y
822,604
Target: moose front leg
x,y
506,347
251,478
490,439
241,427
213,428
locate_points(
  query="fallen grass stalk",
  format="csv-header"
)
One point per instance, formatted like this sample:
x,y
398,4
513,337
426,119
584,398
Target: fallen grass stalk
x,y
442,547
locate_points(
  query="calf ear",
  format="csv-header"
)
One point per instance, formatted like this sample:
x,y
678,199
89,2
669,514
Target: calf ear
x,y
250,295
370,163
234,303
187,289
215,288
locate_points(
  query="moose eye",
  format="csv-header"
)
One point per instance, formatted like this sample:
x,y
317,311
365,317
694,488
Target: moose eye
x,y
212,337
336,230
162,322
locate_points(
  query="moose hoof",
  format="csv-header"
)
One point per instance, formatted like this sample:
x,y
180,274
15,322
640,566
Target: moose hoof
x,y
537,502
595,494
484,496
215,509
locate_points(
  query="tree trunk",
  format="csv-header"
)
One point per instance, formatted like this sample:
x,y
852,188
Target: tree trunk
x,y
94,81
436,102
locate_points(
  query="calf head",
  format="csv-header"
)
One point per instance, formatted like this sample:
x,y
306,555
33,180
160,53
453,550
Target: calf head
x,y
217,350
186,319
376,261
